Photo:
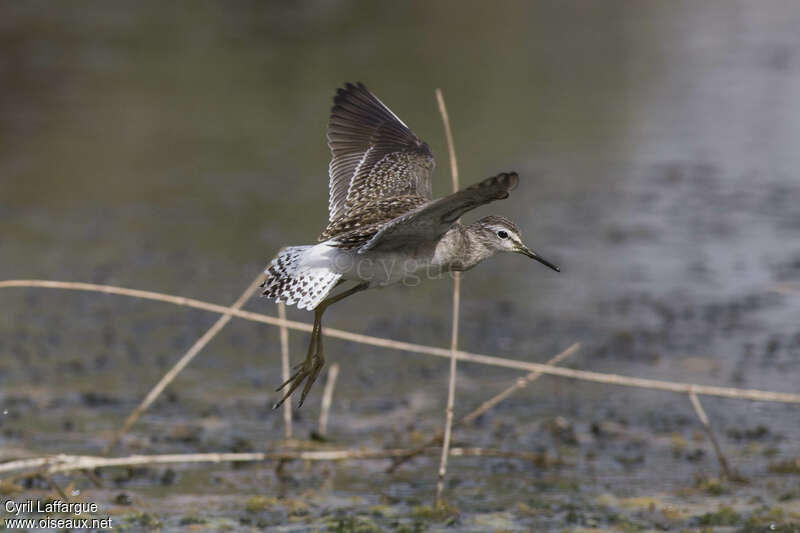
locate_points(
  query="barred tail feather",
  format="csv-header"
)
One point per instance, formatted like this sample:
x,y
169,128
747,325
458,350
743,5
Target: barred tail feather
x,y
291,281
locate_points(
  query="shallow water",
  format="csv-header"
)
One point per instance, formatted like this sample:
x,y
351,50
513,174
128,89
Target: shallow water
x,y
177,147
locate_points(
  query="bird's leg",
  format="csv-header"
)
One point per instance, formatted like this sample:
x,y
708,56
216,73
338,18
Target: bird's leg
x,y
310,368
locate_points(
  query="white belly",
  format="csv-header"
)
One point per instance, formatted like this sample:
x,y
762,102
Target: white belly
x,y
380,268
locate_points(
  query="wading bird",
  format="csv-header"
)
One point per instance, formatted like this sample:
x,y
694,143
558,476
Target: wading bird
x,y
383,224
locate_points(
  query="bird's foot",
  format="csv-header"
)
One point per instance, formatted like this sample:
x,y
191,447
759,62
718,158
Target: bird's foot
x,y
306,371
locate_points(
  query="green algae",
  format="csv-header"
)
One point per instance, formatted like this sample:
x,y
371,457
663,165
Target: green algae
x,y
724,516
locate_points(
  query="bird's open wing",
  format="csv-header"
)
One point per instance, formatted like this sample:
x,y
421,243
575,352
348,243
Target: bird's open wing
x,y
374,154
430,221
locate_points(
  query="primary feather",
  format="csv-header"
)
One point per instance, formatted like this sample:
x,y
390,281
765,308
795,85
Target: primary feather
x,y
374,154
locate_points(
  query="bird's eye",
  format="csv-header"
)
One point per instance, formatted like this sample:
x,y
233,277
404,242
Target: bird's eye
x,y
502,234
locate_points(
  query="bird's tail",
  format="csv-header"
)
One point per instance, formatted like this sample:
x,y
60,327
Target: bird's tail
x,y
291,278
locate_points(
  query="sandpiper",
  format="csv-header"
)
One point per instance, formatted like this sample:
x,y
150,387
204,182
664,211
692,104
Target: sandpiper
x,y
383,226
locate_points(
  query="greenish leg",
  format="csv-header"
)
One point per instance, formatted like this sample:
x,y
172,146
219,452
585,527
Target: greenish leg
x,y
310,368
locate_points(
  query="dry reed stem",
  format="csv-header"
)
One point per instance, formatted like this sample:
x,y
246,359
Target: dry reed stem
x,y
287,406
67,463
701,414
520,383
571,373
187,357
451,385
327,398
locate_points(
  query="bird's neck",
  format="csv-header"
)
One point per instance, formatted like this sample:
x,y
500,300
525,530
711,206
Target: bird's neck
x,y
461,249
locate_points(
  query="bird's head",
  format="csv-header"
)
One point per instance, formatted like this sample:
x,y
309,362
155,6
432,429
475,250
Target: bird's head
x,y
499,234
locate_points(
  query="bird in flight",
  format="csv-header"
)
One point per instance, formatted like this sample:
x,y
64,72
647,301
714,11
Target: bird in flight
x,y
383,224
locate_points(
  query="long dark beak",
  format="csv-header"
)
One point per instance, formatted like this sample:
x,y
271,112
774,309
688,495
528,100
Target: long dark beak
x,y
533,255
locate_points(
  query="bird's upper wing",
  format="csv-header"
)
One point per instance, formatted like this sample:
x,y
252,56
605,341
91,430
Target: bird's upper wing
x,y
374,154
430,221
361,222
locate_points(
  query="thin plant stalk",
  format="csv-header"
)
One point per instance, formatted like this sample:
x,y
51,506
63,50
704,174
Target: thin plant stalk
x,y
68,463
287,406
327,399
451,385
701,414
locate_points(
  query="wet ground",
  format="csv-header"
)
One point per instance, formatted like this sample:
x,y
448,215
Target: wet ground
x,y
177,149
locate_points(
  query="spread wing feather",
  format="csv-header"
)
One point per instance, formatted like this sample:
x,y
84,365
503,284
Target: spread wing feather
x,y
430,220
374,154
365,217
